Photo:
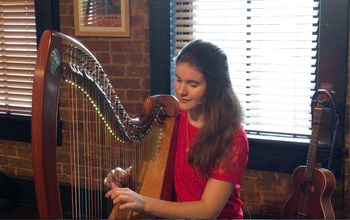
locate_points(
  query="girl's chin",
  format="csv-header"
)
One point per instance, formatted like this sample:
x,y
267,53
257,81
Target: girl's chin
x,y
184,106
187,107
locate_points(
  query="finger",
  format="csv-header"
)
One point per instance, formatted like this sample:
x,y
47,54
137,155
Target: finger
x,y
119,171
115,194
123,199
115,190
106,182
119,200
112,194
128,170
126,205
124,176
109,193
118,175
114,185
108,179
123,206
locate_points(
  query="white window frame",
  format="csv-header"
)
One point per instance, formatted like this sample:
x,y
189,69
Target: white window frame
x,y
276,100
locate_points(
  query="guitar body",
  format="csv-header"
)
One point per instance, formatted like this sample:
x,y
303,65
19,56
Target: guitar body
x,y
314,202
312,185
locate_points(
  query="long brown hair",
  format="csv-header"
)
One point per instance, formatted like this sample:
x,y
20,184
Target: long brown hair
x,y
222,110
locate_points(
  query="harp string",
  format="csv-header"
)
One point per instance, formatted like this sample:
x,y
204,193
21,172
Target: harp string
x,y
107,159
99,151
85,165
73,137
96,163
85,196
91,166
72,149
80,118
77,174
76,171
96,142
111,153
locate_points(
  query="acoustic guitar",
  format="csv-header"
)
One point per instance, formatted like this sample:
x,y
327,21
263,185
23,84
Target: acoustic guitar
x,y
312,185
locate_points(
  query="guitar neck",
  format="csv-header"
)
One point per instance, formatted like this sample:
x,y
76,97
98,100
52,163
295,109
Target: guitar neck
x,y
312,154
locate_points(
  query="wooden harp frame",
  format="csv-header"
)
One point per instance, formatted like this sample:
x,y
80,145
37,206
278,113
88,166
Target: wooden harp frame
x,y
49,72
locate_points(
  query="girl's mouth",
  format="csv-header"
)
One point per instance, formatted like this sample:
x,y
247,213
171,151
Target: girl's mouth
x,y
184,100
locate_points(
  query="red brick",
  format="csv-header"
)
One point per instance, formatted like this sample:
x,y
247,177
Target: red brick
x,y
64,9
24,173
4,159
134,95
67,20
103,58
135,46
97,46
137,70
128,83
8,170
114,71
145,83
138,58
7,150
140,8
118,57
251,196
20,162
63,155
277,197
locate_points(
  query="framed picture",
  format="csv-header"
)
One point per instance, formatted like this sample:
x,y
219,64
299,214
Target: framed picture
x,y
108,18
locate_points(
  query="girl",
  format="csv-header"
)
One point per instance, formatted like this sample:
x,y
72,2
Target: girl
x,y
212,147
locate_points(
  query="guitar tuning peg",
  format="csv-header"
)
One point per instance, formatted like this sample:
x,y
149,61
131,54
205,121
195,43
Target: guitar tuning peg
x,y
330,110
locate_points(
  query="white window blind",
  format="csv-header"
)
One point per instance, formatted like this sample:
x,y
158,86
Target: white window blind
x,y
18,55
272,51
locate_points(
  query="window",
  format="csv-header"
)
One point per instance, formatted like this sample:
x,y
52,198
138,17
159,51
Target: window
x,y
22,22
329,35
272,50
18,56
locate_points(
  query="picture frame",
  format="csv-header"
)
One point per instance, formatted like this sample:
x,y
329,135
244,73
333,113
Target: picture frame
x,y
108,18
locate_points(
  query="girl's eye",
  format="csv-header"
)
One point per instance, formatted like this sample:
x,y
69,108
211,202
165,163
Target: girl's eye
x,y
194,84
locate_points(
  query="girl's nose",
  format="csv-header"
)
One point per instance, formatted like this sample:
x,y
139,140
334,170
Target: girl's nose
x,y
183,90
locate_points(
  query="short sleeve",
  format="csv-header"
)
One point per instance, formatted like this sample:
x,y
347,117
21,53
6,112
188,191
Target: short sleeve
x,y
233,164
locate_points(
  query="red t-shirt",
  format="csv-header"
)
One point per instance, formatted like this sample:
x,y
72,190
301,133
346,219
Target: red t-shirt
x,y
189,186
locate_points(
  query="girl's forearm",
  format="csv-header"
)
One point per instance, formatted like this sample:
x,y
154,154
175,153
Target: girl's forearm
x,y
168,209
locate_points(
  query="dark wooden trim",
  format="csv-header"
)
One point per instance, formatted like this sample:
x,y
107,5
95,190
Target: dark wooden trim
x,y
47,16
333,56
159,46
15,127
18,128
285,156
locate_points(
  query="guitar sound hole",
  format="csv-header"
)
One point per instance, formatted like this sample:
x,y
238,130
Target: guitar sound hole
x,y
305,187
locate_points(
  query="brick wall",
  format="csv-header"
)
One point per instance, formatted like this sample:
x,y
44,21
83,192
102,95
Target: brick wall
x,y
126,60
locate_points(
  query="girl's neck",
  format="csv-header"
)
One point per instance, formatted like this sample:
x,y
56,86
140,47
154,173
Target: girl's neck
x,y
196,118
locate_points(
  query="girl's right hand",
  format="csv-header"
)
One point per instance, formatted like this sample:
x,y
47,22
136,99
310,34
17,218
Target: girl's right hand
x,y
118,176
127,199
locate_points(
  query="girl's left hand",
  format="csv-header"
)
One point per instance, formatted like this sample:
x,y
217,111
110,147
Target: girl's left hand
x,y
127,198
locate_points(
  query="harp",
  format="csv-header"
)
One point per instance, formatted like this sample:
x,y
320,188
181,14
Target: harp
x,y
71,86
